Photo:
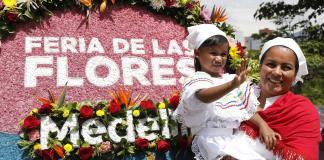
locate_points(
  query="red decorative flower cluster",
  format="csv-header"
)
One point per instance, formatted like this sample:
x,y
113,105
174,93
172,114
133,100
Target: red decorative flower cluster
x,y
174,100
141,143
86,112
163,146
114,108
148,105
30,123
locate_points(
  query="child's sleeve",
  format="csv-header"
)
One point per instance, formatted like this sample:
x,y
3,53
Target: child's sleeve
x,y
191,111
238,105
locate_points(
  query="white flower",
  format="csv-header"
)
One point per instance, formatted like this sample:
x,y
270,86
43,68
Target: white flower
x,y
157,4
28,4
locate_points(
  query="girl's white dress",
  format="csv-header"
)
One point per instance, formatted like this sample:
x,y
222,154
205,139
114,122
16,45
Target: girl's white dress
x,y
214,124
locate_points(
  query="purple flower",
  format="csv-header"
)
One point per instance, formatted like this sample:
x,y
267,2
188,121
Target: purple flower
x,y
205,14
1,4
189,6
33,135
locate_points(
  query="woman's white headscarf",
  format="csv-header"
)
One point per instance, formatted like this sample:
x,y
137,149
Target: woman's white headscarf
x,y
199,33
290,43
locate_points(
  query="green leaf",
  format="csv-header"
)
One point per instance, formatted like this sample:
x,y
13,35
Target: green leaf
x,y
131,149
28,14
24,144
62,97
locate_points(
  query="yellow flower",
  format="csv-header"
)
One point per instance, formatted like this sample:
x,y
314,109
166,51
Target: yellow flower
x,y
184,2
66,113
37,146
152,144
10,3
35,110
136,113
162,105
233,52
68,148
100,113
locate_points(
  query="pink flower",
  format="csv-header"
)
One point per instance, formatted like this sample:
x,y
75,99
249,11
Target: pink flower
x,y
105,147
205,14
33,135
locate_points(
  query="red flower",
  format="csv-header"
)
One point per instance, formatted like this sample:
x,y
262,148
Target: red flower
x,y
182,142
49,154
241,49
86,112
148,105
12,17
45,109
174,101
85,153
169,2
163,146
141,143
114,108
31,122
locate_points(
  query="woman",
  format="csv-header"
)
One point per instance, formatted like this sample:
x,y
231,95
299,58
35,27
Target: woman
x,y
294,117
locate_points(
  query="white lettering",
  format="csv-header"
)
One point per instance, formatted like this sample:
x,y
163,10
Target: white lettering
x,y
63,74
112,76
159,73
130,73
32,71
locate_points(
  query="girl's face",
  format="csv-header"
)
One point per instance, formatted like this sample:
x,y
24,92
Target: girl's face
x,y
277,71
212,59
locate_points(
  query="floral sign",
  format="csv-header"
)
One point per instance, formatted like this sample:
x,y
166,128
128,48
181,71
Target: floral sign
x,y
138,44
119,50
106,129
127,45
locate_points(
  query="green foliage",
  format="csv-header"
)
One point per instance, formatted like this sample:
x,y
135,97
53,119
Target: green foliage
x,y
313,89
294,17
186,13
312,47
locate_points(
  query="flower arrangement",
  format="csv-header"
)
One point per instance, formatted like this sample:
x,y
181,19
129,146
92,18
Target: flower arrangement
x,y
185,12
122,126
236,54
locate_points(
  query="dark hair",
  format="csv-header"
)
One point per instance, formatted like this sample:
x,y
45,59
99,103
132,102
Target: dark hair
x,y
296,62
214,40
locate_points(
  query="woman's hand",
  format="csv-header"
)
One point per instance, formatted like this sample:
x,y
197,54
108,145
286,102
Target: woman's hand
x,y
268,136
241,72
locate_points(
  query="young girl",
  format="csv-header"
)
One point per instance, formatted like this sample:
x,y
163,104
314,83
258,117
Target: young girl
x,y
214,103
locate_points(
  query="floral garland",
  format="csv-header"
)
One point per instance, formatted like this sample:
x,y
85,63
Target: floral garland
x,y
185,12
107,128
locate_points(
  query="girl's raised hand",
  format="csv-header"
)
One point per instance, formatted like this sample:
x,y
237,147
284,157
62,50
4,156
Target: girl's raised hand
x,y
241,72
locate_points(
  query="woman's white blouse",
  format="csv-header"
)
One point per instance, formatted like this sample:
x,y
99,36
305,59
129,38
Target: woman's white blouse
x,y
226,112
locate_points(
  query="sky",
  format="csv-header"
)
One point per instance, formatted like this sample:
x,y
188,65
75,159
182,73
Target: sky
x,y
240,15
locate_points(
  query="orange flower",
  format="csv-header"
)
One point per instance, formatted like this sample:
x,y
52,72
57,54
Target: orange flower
x,y
86,2
124,96
219,15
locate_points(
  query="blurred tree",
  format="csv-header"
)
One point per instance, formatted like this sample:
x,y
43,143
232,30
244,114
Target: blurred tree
x,y
295,17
